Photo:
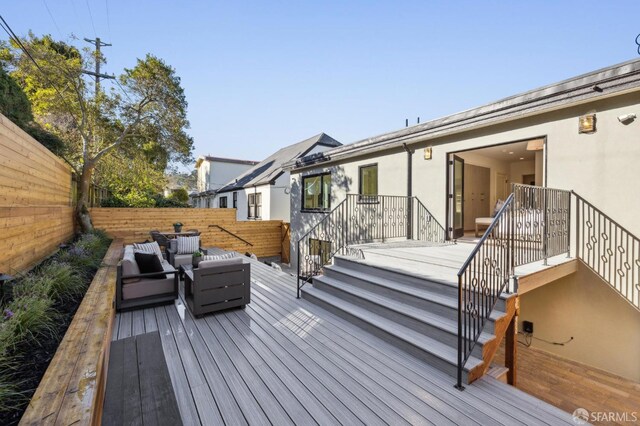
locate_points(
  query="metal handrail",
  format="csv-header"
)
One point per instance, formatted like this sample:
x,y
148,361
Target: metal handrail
x,y
481,280
608,249
363,218
231,233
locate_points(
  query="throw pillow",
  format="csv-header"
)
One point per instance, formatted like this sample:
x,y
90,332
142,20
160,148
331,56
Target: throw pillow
x,y
188,245
219,256
149,248
149,263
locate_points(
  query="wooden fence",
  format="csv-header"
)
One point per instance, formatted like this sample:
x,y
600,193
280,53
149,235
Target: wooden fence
x,y
36,212
264,238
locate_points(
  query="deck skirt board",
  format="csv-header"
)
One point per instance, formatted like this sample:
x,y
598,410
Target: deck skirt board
x,y
323,369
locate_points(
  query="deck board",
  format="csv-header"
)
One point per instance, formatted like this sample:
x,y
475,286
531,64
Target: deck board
x,y
283,360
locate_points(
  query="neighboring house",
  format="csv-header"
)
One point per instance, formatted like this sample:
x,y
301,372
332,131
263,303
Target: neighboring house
x,y
580,134
262,192
212,174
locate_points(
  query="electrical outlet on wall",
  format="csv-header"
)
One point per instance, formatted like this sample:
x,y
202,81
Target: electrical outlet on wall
x,y
527,327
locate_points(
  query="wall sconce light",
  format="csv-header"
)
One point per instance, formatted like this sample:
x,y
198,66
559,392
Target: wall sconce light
x,y
587,123
428,153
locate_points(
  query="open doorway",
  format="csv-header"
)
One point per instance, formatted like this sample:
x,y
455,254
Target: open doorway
x,y
480,179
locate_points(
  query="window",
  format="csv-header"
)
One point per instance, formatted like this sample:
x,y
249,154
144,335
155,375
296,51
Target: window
x,y
321,250
223,202
235,200
255,206
368,188
316,192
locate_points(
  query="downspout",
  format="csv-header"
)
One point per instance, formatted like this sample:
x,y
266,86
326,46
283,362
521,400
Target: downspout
x,y
409,192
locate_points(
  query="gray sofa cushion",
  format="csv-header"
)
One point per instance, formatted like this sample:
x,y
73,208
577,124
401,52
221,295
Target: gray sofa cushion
x,y
144,288
220,262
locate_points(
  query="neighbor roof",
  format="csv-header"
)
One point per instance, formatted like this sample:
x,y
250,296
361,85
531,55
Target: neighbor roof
x,y
271,168
223,160
606,82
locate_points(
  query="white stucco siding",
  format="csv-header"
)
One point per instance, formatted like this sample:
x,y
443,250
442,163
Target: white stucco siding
x,y
280,205
602,167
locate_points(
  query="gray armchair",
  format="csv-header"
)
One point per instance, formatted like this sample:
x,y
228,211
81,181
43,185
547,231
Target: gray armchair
x,y
217,285
176,259
134,290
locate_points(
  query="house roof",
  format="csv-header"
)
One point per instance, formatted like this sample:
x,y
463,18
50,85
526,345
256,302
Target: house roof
x,y
223,160
272,167
602,83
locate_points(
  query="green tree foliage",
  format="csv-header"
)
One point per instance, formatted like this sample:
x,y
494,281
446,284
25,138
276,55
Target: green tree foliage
x,y
180,195
146,123
15,105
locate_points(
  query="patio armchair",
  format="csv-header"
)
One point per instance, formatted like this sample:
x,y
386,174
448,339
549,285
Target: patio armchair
x,y
218,284
176,259
161,239
134,289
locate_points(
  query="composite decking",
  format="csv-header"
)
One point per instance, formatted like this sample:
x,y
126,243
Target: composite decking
x,y
437,261
286,361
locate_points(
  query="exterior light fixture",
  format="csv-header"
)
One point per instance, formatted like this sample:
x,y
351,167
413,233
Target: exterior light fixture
x,y
626,118
428,153
587,124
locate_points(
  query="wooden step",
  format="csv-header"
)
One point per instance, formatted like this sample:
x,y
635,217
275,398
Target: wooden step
x,y
439,284
429,323
436,353
424,298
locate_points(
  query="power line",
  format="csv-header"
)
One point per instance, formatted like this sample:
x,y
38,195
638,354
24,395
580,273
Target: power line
x,y
52,18
106,3
91,18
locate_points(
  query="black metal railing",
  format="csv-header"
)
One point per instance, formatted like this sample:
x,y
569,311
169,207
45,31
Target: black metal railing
x,y
231,233
532,225
360,219
608,249
541,223
482,279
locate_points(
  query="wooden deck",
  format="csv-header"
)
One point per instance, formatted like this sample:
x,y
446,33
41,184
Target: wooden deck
x,y
444,262
285,361
570,385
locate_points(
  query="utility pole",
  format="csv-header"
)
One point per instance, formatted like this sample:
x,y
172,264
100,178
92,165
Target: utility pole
x,y
97,74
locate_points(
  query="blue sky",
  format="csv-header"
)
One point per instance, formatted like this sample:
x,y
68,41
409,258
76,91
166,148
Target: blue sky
x,y
262,75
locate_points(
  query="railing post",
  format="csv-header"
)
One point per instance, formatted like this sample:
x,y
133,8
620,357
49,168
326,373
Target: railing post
x,y
577,227
382,217
545,236
568,221
298,280
459,373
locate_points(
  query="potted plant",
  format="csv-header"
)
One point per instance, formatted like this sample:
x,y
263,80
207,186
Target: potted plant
x,y
197,258
177,227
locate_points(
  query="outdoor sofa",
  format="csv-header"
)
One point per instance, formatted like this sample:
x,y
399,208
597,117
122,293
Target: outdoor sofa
x,y
134,289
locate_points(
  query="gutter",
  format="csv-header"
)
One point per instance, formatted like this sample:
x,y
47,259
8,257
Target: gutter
x,y
458,123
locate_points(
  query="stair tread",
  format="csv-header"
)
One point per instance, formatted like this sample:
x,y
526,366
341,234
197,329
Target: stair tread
x,y
439,278
439,321
425,343
425,293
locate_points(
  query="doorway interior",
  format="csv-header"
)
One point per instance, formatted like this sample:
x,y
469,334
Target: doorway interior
x,y
479,178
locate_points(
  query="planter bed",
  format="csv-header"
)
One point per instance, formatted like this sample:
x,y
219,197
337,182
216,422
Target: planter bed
x,y
36,315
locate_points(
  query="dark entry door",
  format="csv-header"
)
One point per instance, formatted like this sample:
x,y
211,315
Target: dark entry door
x,y
456,196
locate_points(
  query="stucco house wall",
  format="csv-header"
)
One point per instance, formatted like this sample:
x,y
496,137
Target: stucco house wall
x,y
602,167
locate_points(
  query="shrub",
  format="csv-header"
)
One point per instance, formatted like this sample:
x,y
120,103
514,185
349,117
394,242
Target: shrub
x,y
26,319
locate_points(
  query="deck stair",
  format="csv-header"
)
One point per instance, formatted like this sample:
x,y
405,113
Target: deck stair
x,y
414,312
